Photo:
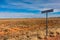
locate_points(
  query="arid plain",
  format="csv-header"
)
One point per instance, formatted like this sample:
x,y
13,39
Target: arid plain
x,y
29,29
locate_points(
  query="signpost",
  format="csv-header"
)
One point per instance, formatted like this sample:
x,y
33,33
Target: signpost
x,y
47,11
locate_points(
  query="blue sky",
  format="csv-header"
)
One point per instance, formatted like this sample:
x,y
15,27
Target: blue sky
x,y
28,8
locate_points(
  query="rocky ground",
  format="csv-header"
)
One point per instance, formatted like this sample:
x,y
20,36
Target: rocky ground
x,y
29,29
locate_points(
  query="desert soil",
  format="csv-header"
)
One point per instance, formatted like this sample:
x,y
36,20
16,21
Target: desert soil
x,y
29,29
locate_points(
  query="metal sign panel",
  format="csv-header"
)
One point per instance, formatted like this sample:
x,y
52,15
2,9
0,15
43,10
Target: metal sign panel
x,y
46,11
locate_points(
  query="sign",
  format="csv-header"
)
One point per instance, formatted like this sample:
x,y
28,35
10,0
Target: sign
x,y
46,11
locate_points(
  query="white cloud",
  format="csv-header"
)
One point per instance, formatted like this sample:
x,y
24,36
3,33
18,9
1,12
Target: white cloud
x,y
19,4
20,15
36,5
56,10
25,15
